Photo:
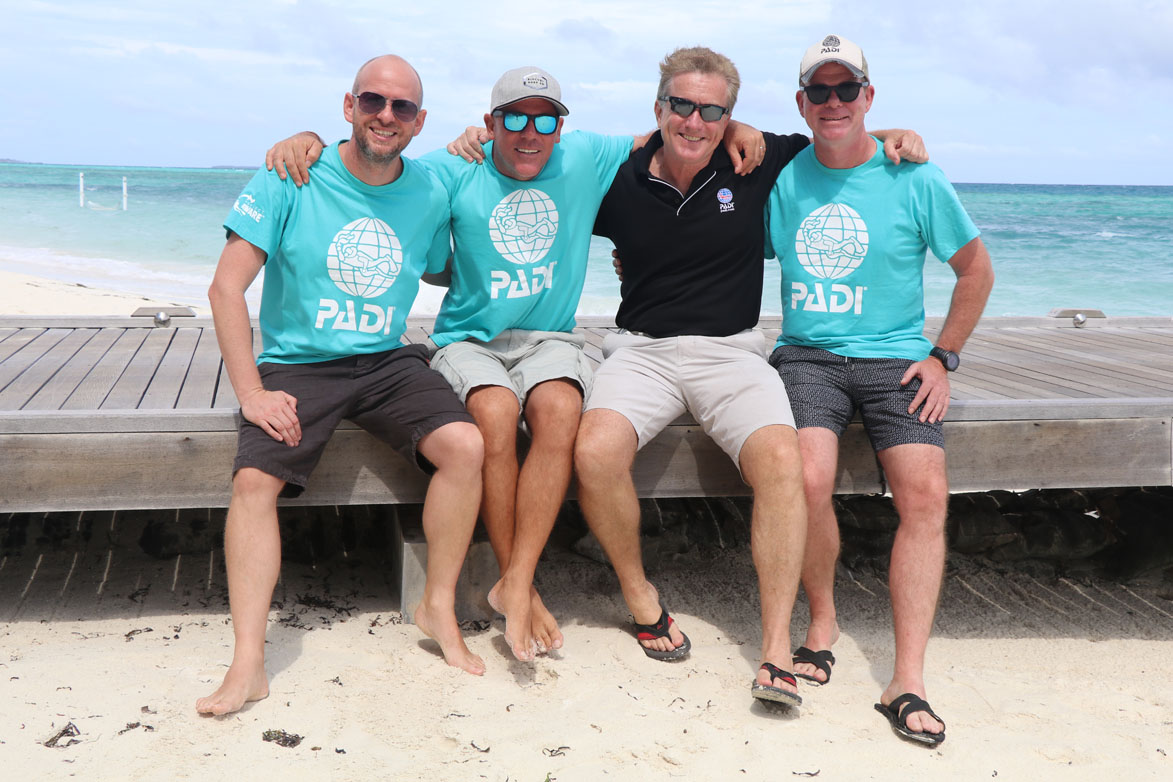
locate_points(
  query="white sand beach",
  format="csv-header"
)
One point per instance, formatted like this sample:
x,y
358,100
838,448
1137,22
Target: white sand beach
x,y
23,294
1037,679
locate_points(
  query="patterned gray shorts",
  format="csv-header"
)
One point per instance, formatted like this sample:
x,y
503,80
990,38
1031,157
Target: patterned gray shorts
x,y
827,389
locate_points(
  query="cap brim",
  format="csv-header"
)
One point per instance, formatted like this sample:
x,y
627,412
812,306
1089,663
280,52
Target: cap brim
x,y
558,105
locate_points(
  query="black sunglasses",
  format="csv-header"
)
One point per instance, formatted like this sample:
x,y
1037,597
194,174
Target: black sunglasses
x,y
710,112
821,93
373,103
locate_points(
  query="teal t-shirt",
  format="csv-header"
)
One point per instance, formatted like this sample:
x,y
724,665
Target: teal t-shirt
x,y
344,257
520,247
851,243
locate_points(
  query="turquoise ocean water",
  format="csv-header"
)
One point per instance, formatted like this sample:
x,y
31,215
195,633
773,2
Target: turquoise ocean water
x,y
1103,247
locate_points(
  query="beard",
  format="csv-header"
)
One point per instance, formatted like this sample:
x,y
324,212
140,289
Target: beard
x,y
381,157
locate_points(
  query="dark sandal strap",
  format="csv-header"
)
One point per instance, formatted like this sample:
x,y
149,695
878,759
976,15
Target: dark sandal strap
x,y
823,660
907,704
777,673
653,631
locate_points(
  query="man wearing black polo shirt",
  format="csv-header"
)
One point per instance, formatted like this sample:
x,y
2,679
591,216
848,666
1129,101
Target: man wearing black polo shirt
x,y
690,235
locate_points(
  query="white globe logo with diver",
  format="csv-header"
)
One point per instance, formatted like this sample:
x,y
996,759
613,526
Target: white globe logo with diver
x,y
832,241
523,226
364,258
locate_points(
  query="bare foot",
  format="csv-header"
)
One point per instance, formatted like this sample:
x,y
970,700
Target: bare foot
x,y
515,605
543,625
819,636
918,721
644,604
242,683
441,627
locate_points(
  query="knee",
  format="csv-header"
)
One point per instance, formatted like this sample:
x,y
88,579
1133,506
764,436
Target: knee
x,y
455,447
595,455
252,485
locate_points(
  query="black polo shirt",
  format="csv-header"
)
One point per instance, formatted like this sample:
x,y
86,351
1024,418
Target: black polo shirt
x,y
692,263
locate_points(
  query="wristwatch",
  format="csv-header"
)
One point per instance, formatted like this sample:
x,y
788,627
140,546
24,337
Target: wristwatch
x,y
948,358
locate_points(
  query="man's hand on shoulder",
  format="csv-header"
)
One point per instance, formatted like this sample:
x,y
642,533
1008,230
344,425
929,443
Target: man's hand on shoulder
x,y
903,145
746,146
933,395
470,144
294,156
275,412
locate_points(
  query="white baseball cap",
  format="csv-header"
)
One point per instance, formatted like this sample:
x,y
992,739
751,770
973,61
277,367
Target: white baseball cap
x,y
832,49
527,82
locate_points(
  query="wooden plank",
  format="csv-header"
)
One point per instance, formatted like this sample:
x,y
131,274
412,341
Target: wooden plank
x,y
128,390
167,381
1077,358
1021,455
17,393
27,352
54,394
199,387
1095,375
94,389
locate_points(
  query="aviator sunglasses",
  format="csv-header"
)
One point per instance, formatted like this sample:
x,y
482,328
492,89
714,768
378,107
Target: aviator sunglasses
x,y
710,112
819,94
516,121
372,103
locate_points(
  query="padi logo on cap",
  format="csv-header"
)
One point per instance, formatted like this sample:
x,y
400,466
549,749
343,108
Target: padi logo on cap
x,y
725,197
535,81
831,44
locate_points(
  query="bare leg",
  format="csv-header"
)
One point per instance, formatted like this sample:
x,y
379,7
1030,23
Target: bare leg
x,y
603,455
920,492
252,556
449,515
496,411
771,465
820,458
552,411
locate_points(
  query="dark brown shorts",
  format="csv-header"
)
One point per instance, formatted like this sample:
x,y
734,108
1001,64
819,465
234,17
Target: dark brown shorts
x,y
394,395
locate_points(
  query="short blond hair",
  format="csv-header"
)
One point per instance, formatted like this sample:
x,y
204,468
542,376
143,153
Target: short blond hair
x,y
699,59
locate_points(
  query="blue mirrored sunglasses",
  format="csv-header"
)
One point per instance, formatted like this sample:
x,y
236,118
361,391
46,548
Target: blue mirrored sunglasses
x,y
516,121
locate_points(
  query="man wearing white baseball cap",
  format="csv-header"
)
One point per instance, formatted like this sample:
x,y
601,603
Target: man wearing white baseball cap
x,y
851,230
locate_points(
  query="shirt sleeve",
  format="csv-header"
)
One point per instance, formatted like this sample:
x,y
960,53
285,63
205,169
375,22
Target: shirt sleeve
x,y
261,210
944,223
609,153
441,247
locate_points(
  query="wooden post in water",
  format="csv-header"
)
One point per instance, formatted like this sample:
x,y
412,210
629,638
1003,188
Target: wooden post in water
x,y
81,189
124,194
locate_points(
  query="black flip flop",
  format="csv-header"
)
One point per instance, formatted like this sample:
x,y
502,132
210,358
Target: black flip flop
x,y
823,660
764,692
660,630
899,720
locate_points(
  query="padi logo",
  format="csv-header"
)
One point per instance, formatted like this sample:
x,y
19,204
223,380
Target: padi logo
x,y
815,298
539,278
831,44
373,320
246,205
725,197
535,81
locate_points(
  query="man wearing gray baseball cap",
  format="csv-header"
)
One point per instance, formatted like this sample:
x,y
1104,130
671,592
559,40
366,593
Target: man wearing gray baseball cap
x,y
521,232
851,230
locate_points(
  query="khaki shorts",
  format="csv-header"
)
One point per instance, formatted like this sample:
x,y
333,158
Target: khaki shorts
x,y
724,382
517,359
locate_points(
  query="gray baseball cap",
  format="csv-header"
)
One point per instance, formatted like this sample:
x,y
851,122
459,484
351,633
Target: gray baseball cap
x,y
833,48
527,82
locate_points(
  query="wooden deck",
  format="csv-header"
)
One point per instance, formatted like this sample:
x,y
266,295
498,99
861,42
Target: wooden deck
x,y
116,413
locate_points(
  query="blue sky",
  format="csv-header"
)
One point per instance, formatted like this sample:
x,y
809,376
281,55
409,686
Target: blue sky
x,y
1028,91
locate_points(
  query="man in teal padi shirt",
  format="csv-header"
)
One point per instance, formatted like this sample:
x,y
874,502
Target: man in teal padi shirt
x,y
342,265
521,230
851,230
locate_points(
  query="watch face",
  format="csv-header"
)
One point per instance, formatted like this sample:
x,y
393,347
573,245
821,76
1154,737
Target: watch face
x,y
947,357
